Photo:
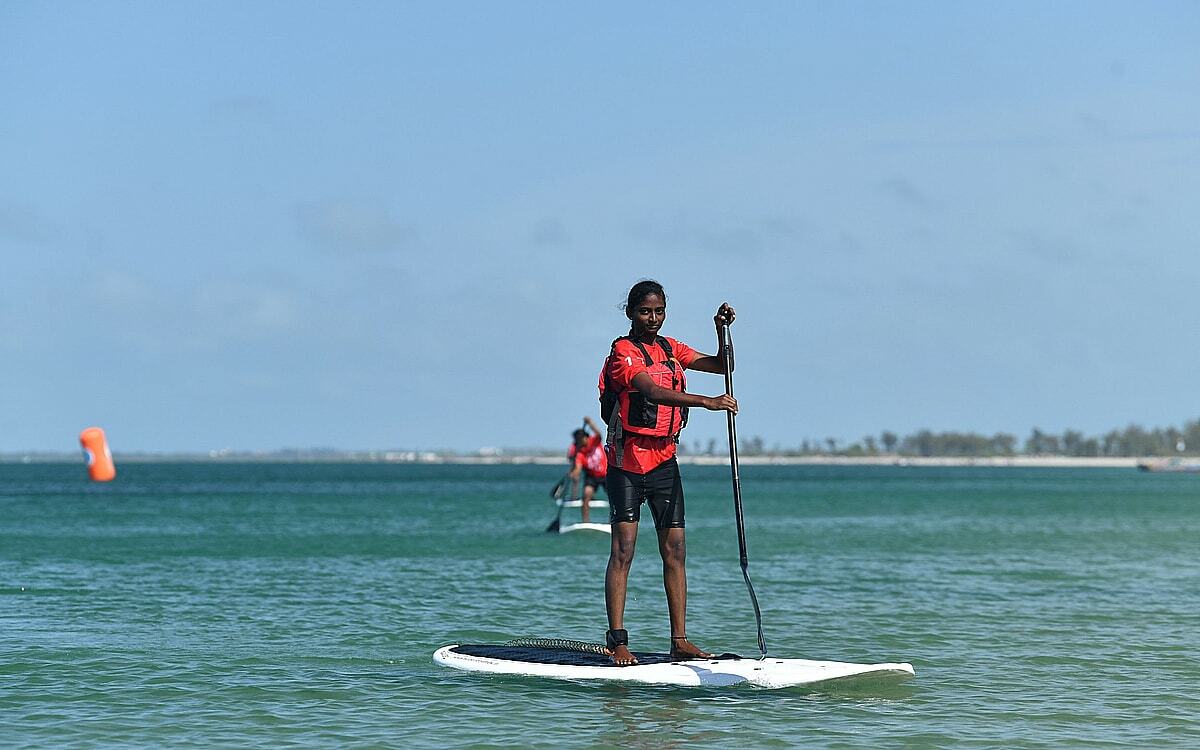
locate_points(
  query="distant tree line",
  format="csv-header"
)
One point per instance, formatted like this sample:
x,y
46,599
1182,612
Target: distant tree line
x,y
1132,441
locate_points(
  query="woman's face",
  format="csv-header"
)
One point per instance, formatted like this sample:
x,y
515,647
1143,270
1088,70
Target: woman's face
x,y
648,315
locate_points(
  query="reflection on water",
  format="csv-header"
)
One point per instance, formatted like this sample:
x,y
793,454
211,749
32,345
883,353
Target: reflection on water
x,y
645,720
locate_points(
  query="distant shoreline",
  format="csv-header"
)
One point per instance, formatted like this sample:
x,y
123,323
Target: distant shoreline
x,y
432,457
1013,461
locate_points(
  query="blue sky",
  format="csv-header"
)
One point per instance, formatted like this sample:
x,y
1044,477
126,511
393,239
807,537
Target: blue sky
x,y
259,225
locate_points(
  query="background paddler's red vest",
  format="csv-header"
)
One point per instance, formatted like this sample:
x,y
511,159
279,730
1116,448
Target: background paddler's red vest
x,y
639,415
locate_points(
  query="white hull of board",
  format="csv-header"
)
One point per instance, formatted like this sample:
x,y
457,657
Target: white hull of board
x,y
601,527
764,673
579,503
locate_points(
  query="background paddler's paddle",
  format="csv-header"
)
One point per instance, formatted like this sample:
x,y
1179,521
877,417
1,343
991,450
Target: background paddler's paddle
x,y
560,489
727,352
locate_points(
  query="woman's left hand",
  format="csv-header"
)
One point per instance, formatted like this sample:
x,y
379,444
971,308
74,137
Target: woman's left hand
x,y
724,316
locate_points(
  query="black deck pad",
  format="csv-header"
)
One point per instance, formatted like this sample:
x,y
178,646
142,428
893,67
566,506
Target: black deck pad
x,y
565,656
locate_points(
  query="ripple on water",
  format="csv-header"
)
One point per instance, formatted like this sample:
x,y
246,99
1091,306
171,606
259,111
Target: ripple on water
x,y
261,607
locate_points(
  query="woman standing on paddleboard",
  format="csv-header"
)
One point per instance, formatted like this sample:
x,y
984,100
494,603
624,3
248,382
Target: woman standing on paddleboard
x,y
644,400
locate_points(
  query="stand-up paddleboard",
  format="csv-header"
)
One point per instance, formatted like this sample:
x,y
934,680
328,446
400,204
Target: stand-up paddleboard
x,y
579,503
565,660
601,527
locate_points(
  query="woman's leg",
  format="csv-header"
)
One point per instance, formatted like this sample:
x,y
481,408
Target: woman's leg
x,y
589,491
674,556
672,547
616,581
665,497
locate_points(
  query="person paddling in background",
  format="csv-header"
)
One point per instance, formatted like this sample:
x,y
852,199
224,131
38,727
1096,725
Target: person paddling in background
x,y
588,458
644,401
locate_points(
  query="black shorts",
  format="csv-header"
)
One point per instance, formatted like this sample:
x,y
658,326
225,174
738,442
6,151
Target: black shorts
x,y
660,488
591,481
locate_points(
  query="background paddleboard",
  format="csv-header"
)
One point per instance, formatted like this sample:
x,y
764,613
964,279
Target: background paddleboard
x,y
659,669
579,503
601,527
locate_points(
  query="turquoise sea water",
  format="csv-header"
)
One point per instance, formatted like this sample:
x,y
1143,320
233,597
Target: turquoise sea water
x,y
274,606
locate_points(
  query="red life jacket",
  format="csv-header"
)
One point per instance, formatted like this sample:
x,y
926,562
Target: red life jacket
x,y
594,460
639,415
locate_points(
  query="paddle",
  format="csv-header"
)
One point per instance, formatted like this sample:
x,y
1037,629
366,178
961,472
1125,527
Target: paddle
x,y
557,494
727,352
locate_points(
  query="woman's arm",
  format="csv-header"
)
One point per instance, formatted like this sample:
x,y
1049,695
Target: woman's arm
x,y
709,362
667,397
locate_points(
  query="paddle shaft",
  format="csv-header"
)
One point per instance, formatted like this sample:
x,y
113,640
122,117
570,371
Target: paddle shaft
x,y
727,353
565,481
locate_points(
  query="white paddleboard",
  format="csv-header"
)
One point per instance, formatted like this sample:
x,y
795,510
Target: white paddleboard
x,y
602,527
579,503
658,669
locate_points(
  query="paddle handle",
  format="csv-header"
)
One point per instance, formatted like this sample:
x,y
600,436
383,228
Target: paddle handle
x,y
731,419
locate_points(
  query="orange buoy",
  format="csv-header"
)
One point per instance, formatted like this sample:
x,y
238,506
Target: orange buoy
x,y
99,457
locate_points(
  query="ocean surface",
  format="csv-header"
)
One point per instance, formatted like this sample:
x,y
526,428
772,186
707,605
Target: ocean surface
x,y
280,606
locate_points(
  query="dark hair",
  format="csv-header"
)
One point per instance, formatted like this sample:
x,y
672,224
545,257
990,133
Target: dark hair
x,y
579,434
641,291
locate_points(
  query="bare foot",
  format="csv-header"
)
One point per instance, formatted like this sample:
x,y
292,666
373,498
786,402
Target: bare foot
x,y
682,649
622,657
